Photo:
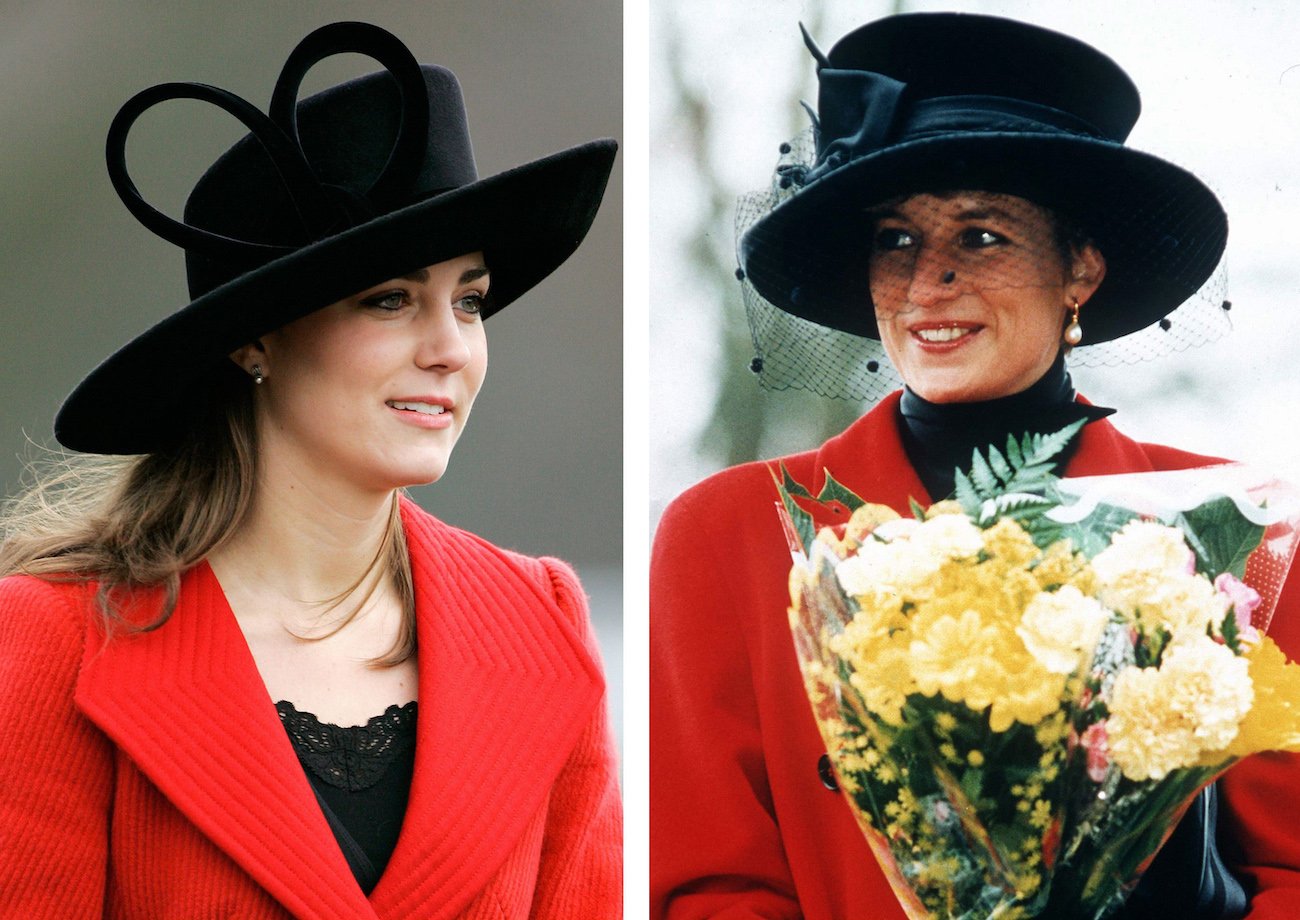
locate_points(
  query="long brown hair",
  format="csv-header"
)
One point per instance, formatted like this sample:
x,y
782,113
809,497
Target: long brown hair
x,y
142,521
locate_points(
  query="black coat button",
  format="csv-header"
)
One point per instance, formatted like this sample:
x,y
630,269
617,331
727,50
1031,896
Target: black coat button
x,y
827,773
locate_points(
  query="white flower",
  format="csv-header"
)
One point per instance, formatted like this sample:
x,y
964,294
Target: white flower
x,y
1144,546
948,536
1165,718
1061,628
892,568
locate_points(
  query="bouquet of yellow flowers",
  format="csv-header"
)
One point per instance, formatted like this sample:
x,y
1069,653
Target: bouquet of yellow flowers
x,y
1022,690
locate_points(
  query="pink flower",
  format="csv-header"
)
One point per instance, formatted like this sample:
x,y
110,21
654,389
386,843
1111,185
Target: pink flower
x,y
1096,743
1244,599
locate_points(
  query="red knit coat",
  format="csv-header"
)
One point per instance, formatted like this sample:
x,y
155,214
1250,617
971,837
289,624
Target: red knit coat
x,y
741,825
150,778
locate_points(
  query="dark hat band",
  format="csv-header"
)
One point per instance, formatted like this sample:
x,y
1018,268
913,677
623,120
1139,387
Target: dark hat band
x,y
861,112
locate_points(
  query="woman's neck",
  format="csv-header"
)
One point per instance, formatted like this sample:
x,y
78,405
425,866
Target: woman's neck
x,y
939,438
301,546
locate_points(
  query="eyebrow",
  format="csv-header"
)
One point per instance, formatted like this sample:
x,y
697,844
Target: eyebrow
x,y
975,212
984,212
471,274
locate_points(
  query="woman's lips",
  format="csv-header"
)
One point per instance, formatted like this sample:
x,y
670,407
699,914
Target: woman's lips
x,y
939,337
423,413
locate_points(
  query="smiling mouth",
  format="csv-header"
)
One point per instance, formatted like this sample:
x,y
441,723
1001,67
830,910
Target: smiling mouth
x,y
420,407
940,335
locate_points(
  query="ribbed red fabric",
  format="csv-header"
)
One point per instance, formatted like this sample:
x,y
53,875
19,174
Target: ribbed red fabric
x,y
149,777
741,825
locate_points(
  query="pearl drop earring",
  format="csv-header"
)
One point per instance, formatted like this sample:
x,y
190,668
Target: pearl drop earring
x,y
1073,334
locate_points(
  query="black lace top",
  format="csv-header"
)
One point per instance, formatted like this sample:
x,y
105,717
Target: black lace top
x,y
362,777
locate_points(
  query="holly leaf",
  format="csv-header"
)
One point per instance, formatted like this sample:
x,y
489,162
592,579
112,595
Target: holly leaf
x,y
833,491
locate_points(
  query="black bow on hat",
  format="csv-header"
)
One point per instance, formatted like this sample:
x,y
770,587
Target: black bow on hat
x,y
363,182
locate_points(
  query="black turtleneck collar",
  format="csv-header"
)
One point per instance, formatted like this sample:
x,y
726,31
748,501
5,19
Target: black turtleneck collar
x,y
940,437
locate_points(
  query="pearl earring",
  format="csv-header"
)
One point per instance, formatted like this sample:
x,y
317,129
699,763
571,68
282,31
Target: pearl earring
x,y
258,376
1073,334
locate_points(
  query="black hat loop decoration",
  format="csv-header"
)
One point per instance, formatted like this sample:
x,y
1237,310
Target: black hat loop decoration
x,y
412,135
324,209
286,156
326,196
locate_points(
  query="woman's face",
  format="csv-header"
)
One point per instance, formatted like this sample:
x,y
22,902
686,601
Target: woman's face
x,y
373,391
972,291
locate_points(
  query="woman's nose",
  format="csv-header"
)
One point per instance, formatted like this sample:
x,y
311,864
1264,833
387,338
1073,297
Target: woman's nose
x,y
934,277
443,344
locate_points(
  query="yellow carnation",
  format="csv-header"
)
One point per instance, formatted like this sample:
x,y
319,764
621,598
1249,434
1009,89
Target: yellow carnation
x,y
950,656
1007,541
884,682
1183,604
1273,723
1166,718
1061,629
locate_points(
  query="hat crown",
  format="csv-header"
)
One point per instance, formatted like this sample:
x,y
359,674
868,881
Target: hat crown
x,y
347,134
959,54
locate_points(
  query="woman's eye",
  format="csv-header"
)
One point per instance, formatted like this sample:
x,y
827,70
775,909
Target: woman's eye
x,y
389,300
891,239
471,303
979,238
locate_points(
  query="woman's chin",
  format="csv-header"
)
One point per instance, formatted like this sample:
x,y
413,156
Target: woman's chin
x,y
940,390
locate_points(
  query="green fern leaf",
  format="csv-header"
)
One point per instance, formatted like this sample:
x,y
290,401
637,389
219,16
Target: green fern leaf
x,y
1014,503
981,474
964,492
1013,452
1038,451
1000,465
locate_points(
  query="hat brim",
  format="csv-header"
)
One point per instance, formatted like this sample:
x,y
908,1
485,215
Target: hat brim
x,y
1160,229
526,220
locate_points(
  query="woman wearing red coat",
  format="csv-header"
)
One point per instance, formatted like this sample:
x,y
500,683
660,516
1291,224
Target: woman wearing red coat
x,y
240,673
970,205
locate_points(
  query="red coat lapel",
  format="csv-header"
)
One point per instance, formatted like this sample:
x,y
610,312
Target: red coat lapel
x,y
186,703
506,688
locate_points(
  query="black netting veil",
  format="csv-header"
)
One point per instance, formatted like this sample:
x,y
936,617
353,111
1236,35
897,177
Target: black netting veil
x,y
952,243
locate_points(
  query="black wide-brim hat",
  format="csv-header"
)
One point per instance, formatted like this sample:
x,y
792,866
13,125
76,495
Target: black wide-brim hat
x,y
366,181
938,102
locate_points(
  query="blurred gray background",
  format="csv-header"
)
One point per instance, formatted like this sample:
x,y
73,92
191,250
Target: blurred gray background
x,y
1220,84
540,466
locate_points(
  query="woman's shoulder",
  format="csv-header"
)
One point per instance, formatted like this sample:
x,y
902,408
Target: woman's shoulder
x,y
45,626
736,486
49,605
553,576
1164,457
1105,449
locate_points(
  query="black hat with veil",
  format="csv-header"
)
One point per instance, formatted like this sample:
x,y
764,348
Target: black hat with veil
x,y
940,103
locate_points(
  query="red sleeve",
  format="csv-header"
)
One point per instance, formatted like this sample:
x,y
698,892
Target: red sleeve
x,y
1261,798
581,872
715,849
56,770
